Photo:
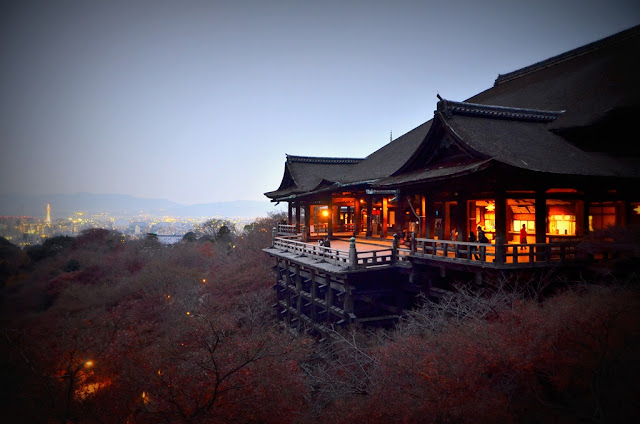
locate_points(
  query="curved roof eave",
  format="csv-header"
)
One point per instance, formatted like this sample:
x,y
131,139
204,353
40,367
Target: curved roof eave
x,y
436,174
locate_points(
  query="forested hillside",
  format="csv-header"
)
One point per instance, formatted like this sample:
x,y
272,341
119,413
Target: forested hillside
x,y
96,329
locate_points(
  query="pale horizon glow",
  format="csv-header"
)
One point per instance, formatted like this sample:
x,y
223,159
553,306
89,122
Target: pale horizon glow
x,y
200,101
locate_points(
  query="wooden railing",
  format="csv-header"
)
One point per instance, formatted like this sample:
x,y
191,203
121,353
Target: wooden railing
x,y
328,254
286,230
350,259
483,252
380,257
487,253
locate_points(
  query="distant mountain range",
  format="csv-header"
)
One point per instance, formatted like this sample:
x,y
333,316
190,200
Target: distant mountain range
x,y
64,205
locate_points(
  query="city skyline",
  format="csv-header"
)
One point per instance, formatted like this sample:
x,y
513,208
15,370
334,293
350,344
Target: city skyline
x,y
198,102
128,206
27,231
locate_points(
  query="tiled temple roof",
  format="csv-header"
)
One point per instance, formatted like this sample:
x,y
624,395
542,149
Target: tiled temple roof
x,y
528,119
323,160
449,108
569,55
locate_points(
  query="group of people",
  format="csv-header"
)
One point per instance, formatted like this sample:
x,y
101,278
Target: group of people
x,y
482,238
324,242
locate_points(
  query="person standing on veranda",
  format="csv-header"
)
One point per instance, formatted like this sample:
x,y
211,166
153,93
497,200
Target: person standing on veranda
x,y
523,236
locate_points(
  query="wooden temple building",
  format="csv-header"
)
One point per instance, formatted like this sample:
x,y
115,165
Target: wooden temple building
x,y
550,147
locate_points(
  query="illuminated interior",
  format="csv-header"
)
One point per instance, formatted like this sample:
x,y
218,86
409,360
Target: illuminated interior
x,y
561,217
562,224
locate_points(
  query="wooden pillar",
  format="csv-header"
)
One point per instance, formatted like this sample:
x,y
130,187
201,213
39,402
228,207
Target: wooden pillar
x,y
585,215
541,216
462,221
501,215
330,219
289,213
335,216
297,217
429,219
423,216
385,218
581,229
347,305
400,214
328,297
369,215
287,281
501,225
314,284
299,296
357,224
307,222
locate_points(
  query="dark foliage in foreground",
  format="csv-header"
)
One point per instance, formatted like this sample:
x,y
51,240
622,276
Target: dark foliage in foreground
x,y
101,331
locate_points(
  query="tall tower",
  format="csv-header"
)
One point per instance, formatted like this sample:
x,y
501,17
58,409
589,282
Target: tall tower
x,y
48,214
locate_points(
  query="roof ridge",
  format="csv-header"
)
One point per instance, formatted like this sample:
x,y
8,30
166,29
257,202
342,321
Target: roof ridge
x,y
323,160
450,108
571,54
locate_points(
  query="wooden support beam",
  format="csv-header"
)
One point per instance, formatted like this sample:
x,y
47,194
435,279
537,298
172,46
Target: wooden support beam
x,y
541,216
462,220
288,300
328,299
298,217
423,216
369,216
357,222
314,314
385,217
307,222
501,225
298,289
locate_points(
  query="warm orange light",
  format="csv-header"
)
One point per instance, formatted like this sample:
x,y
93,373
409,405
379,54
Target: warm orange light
x,y
188,313
86,390
88,364
637,209
325,213
490,207
204,280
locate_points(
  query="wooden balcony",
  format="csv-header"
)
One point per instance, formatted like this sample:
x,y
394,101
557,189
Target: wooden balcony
x,y
488,255
343,255
354,254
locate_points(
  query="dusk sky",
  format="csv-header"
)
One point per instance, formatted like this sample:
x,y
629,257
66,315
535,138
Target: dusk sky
x,y
199,101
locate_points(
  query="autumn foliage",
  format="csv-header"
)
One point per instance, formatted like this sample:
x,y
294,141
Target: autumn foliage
x,y
102,330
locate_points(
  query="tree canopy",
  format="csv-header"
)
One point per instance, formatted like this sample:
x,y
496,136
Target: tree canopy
x,y
97,330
